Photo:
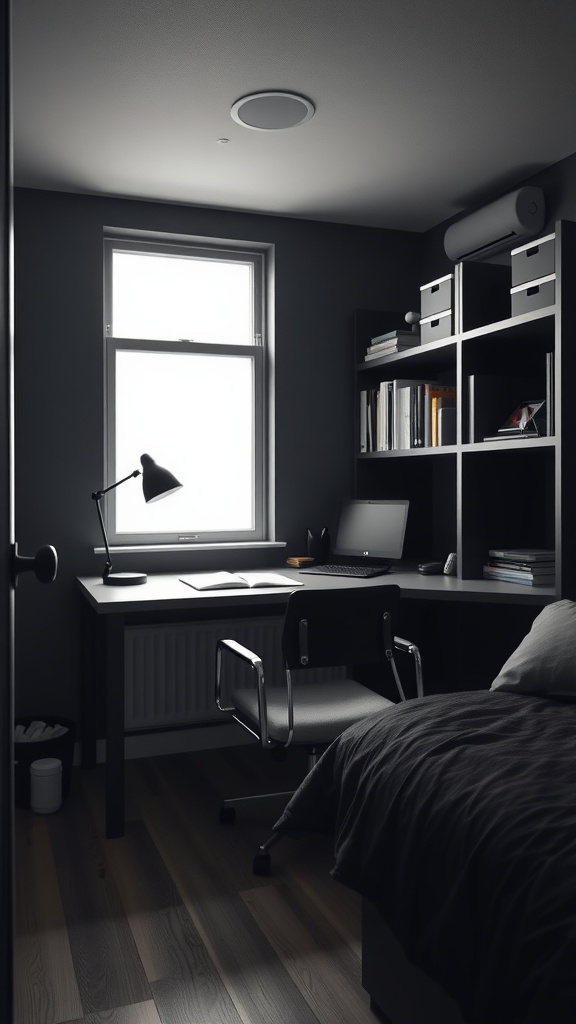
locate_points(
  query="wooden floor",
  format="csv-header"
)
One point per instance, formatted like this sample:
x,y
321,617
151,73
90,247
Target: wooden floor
x,y
168,924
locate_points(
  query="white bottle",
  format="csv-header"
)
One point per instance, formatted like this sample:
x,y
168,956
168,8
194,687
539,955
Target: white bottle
x,y
45,785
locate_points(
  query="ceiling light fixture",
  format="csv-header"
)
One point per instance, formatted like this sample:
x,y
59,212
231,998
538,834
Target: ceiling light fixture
x,y
272,111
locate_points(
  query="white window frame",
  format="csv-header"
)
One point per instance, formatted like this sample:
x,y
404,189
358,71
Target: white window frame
x,y
259,353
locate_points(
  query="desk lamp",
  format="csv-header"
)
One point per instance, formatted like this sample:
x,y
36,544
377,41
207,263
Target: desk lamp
x,y
157,483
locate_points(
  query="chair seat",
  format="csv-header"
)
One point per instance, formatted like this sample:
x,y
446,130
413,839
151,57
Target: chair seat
x,y
322,711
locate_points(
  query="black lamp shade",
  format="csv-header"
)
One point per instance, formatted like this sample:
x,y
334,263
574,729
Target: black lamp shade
x,y
157,482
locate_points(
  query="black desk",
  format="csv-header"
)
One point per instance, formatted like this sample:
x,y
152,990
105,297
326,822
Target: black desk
x,y
107,610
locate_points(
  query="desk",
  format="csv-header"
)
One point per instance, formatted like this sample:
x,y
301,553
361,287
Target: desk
x,y
107,610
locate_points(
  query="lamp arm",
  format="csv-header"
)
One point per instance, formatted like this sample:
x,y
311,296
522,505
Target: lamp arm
x,y
97,497
108,567
104,490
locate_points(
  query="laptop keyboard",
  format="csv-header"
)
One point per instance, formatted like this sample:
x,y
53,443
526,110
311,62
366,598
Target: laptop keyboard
x,y
362,571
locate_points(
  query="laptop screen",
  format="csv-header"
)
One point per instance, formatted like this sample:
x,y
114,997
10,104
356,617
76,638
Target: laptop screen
x,y
372,529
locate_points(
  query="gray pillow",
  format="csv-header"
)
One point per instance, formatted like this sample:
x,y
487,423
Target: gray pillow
x,y
545,662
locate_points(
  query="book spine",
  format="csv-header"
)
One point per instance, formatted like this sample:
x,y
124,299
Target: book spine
x,y
363,421
549,393
434,421
471,414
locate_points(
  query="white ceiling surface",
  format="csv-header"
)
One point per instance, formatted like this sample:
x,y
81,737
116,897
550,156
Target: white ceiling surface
x,y
423,107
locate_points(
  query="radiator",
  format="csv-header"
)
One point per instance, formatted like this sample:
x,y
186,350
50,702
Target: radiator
x,y
170,669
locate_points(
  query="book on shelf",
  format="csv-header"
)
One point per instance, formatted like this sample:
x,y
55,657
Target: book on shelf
x,y
537,568
490,399
388,350
235,580
398,414
396,344
434,390
549,393
446,424
363,421
391,335
384,425
445,400
528,579
527,420
404,411
523,554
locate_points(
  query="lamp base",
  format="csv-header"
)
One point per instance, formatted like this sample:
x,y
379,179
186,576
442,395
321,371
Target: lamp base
x,y
124,579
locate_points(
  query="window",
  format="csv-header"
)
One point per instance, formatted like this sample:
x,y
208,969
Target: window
x,y
186,372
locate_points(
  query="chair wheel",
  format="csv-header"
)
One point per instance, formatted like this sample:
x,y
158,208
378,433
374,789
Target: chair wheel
x,y
261,864
227,815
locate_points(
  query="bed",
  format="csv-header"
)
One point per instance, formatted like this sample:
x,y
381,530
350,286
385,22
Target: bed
x,y
454,816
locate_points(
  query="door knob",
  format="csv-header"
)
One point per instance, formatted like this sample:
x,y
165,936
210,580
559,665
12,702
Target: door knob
x,y
44,564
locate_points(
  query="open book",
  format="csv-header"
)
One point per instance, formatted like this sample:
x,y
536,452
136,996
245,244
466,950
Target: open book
x,y
231,580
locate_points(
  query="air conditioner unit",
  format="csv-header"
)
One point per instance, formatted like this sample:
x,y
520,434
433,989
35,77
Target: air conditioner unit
x,y
503,224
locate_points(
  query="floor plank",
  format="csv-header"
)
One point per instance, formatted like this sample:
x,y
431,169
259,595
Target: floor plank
x,y
168,924
45,987
137,1013
320,964
184,981
260,988
108,969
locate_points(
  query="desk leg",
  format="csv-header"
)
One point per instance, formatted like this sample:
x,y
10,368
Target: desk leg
x,y
90,684
114,726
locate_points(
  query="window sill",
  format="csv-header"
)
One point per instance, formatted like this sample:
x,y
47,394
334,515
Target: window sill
x,y
228,546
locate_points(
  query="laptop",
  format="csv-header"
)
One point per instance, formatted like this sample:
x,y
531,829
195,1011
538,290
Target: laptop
x,y
367,529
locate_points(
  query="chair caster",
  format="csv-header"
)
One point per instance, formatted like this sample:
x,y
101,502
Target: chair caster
x,y
261,864
227,815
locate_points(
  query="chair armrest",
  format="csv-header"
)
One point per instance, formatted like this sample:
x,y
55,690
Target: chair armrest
x,y
244,654
407,647
255,663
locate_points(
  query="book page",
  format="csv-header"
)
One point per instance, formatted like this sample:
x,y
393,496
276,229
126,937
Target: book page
x,y
213,581
268,579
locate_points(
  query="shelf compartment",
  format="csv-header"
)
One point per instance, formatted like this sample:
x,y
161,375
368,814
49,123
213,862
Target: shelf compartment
x,y
432,357
431,489
507,500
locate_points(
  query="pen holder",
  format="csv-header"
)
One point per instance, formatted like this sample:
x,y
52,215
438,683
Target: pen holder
x,y
318,544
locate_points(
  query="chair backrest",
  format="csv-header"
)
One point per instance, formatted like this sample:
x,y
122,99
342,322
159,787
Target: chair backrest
x,y
343,627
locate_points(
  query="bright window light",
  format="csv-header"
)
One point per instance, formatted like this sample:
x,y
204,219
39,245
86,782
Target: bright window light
x,y
194,413
187,380
170,297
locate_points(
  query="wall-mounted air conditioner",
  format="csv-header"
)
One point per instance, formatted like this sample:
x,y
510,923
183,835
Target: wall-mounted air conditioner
x,y
503,224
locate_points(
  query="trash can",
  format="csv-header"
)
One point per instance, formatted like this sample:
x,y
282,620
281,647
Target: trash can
x,y
61,747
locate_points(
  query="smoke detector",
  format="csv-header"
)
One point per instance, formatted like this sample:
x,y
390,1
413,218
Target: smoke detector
x,y
272,111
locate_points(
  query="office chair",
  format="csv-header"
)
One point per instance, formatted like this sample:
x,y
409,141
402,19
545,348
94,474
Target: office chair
x,y
345,627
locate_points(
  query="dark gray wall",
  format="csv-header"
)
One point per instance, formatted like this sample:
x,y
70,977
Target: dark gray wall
x,y
323,272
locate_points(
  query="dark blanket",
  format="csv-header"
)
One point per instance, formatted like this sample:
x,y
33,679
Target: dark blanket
x,y
456,816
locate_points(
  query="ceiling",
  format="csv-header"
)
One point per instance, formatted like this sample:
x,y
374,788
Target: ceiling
x,y
424,108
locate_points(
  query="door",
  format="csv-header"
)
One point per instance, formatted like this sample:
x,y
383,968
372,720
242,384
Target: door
x,y
7,539
44,563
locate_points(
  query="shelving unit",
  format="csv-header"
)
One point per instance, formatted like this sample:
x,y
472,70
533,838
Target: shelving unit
x,y
474,495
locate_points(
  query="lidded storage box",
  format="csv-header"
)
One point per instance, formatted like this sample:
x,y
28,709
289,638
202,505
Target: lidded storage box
x,y
533,276
438,325
437,296
436,300
533,261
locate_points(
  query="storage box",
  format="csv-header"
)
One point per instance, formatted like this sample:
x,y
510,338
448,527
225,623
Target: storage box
x,y
533,261
437,296
439,325
535,295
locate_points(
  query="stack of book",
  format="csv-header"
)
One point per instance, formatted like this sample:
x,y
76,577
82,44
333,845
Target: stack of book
x,y
531,567
394,341
407,413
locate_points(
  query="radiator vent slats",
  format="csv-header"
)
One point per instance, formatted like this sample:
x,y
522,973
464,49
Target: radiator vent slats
x,y
169,669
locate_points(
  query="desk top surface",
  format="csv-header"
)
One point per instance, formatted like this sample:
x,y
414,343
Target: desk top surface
x,y
163,592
